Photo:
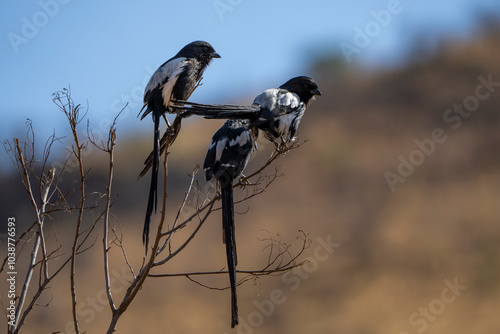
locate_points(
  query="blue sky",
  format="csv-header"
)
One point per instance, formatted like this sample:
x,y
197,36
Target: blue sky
x,y
107,50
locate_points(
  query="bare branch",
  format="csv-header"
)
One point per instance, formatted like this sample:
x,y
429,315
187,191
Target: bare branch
x,y
202,220
120,244
26,180
277,251
181,208
65,103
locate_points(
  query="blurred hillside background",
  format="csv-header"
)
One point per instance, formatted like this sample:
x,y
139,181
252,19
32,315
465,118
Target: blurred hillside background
x,y
403,180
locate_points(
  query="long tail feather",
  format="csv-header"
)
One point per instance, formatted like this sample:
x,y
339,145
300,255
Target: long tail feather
x,y
149,160
230,240
218,111
153,195
179,104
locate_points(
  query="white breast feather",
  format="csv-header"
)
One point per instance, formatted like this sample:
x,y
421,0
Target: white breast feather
x,y
285,123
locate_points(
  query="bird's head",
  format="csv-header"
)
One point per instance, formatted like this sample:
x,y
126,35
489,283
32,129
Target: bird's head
x,y
200,50
306,88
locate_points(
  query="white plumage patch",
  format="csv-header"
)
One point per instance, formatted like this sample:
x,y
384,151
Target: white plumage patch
x,y
289,99
241,139
285,122
168,72
267,99
274,97
220,148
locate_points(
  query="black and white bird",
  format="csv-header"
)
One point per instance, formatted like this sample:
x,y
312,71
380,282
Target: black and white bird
x,y
276,111
175,79
227,157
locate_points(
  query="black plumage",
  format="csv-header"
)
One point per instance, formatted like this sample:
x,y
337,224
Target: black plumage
x,y
227,157
175,79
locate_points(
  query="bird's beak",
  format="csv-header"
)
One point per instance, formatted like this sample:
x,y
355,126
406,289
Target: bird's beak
x,y
316,92
215,55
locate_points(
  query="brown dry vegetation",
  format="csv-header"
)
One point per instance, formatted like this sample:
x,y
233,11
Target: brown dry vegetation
x,y
396,249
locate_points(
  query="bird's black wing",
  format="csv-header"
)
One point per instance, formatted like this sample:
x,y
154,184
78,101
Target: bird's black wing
x,y
229,151
161,84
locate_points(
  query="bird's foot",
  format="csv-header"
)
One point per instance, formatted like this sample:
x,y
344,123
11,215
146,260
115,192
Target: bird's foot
x,y
244,182
282,146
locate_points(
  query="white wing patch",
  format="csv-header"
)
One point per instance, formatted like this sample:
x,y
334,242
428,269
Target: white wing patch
x,y
241,139
170,70
267,99
220,148
275,97
289,99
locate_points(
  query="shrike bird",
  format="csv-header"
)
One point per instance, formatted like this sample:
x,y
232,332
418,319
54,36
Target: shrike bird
x,y
276,111
227,157
175,79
